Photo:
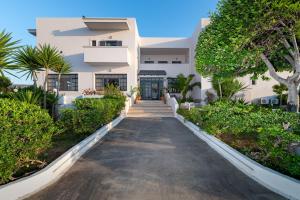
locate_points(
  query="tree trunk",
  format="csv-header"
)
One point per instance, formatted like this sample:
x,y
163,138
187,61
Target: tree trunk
x,y
292,101
45,89
58,84
220,89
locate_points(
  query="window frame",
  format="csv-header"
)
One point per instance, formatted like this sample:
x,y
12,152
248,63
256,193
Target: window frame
x,y
53,85
102,79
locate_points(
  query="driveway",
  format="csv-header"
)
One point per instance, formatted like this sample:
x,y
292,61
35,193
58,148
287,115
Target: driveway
x,y
153,159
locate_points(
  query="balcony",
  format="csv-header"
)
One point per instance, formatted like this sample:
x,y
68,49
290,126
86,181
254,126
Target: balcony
x,y
106,55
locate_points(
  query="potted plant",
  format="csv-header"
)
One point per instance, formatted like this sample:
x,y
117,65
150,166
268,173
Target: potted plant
x,y
138,95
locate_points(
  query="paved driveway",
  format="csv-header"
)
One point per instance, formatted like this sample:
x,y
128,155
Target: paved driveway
x,y
153,159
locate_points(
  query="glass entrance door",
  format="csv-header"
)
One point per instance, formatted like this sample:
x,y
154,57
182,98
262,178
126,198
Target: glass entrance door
x,y
151,88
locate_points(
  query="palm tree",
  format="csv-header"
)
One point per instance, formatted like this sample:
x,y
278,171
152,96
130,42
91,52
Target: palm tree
x,y
48,57
184,85
7,46
63,67
26,59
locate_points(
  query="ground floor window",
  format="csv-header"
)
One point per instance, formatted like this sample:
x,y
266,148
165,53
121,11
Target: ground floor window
x,y
119,80
171,85
68,82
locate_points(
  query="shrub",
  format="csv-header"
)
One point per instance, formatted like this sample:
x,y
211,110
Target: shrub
x,y
90,114
4,83
113,92
260,126
25,131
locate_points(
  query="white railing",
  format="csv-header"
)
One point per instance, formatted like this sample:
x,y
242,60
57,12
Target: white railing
x,y
171,101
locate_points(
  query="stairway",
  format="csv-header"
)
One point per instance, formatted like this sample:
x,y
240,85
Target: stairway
x,y
150,109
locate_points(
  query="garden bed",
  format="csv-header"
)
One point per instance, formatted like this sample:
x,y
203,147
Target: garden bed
x,y
254,131
30,140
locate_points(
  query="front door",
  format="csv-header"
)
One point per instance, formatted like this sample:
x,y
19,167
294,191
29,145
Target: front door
x,y
151,88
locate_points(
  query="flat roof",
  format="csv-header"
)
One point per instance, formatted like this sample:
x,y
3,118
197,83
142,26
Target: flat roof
x,y
32,31
106,23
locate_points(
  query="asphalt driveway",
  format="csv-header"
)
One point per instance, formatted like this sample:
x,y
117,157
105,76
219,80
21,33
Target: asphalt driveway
x,y
153,159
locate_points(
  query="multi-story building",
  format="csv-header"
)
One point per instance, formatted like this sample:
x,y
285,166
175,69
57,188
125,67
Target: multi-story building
x,y
110,50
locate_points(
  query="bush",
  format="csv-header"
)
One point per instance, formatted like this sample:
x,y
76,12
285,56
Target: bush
x,y
4,83
262,127
25,132
90,114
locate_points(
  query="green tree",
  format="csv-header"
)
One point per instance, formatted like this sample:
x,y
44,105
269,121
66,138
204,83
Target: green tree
x,y
27,59
280,90
63,67
48,57
227,87
253,37
7,46
184,84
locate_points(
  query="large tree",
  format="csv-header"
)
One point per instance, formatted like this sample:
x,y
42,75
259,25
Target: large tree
x,y
253,37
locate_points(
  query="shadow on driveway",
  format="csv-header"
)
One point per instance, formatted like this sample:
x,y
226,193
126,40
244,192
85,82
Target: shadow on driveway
x,y
153,159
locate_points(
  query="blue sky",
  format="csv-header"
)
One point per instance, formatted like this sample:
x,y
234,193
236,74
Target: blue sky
x,y
162,18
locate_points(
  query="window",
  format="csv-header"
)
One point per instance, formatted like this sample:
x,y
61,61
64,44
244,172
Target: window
x,y
176,62
253,82
119,80
171,85
94,43
110,43
149,62
68,82
162,62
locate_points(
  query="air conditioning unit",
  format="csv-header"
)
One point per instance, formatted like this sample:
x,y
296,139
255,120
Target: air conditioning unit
x,y
275,101
264,101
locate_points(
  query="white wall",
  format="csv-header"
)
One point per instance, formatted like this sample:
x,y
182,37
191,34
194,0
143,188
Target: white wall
x,y
69,35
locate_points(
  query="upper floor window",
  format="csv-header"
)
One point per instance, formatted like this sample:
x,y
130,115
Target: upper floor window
x,y
68,82
110,43
253,82
94,43
162,62
149,62
176,62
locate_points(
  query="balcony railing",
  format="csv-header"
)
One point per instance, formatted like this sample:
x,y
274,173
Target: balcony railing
x,y
106,55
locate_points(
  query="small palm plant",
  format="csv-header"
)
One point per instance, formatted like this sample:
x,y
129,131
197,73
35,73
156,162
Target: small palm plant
x,y
227,87
7,47
48,57
184,85
63,67
26,59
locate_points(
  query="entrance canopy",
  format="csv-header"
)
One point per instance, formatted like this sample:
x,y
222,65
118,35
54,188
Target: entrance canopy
x,y
152,73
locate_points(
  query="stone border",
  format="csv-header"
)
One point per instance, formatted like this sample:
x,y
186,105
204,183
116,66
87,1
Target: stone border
x,y
273,180
29,185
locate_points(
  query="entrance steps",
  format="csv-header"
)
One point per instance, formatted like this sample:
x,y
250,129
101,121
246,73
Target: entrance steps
x,y
148,108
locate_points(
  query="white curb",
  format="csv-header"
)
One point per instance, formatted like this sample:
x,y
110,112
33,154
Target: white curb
x,y
27,186
275,181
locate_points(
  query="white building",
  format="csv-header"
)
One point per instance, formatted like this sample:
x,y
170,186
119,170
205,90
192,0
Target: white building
x,y
110,50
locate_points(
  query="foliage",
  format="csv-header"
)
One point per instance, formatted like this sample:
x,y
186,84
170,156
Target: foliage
x,y
7,46
62,67
26,59
4,83
90,114
25,131
184,85
262,126
227,87
280,90
48,57
252,37
113,92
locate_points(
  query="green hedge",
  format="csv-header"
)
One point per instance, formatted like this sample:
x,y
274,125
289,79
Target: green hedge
x,y
25,131
255,131
90,114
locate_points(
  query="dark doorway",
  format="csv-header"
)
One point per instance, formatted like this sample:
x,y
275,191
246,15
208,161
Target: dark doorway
x,y
151,88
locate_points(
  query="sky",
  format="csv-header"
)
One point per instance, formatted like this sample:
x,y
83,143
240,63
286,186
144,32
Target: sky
x,y
155,18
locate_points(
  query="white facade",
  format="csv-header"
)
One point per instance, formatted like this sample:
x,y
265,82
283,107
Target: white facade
x,y
99,47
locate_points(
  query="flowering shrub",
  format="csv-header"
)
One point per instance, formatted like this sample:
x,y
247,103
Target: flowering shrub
x,y
260,133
